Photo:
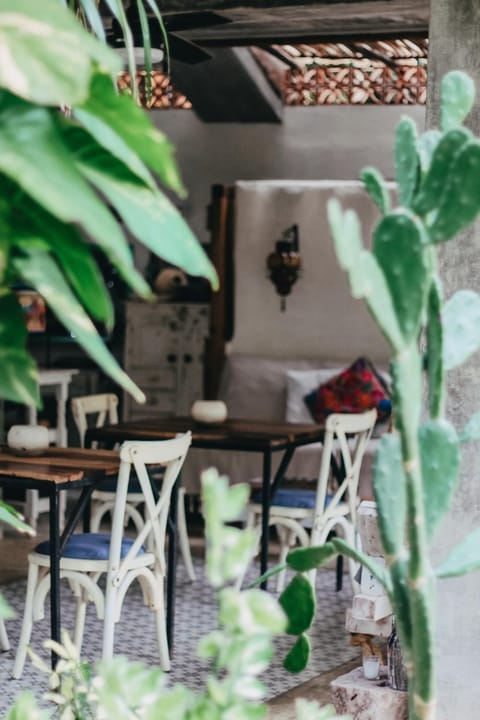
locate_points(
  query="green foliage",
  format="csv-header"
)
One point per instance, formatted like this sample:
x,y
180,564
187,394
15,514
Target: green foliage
x,y
435,364
440,458
471,431
297,658
390,493
406,160
464,558
461,327
375,186
56,173
398,244
298,602
304,559
458,96
416,468
12,517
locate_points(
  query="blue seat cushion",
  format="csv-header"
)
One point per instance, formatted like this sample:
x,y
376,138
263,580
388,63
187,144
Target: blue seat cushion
x,y
110,485
88,546
293,497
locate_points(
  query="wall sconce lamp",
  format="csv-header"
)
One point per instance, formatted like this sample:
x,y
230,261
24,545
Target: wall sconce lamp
x,y
284,264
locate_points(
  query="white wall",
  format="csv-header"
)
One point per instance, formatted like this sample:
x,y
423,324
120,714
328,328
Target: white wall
x,y
322,143
329,142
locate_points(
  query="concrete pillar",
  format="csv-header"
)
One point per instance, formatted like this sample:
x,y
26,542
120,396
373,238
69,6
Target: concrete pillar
x,y
455,44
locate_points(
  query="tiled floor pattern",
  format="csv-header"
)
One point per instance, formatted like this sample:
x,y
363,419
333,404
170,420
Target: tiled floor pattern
x,y
195,616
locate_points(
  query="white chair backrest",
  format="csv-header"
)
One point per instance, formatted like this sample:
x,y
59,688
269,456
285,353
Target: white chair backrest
x,y
104,408
346,439
139,454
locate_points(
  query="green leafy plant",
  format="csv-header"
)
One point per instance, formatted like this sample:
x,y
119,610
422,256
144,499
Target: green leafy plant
x,y
72,183
416,467
239,650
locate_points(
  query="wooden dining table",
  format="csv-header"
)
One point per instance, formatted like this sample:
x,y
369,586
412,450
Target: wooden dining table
x,y
254,436
54,471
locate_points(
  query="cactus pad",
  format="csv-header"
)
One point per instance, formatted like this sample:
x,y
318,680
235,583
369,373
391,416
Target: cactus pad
x,y
399,242
461,327
440,456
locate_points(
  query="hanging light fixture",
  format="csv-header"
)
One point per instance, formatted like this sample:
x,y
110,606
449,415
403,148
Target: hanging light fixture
x,y
284,264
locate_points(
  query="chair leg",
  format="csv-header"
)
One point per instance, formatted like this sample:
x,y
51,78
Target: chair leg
x,y
109,622
27,622
80,616
4,641
32,498
183,535
284,538
160,621
339,573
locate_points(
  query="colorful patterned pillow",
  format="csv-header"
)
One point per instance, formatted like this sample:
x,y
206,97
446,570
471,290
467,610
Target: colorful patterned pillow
x,y
356,389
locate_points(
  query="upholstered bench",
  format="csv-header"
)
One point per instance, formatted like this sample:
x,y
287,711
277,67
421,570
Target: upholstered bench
x,y
262,388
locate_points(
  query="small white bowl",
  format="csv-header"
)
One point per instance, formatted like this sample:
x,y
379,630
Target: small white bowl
x,y
28,439
209,411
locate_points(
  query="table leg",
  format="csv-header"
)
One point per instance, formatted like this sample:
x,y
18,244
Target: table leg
x,y
268,491
172,563
267,465
54,523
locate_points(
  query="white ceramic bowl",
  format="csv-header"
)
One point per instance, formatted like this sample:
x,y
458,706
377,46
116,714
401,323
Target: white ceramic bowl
x,y
209,411
28,439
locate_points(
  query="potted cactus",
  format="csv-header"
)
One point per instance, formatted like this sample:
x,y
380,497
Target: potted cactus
x,y
416,467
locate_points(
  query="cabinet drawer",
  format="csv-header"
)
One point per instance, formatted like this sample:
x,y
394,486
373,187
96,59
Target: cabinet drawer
x,y
164,378
156,402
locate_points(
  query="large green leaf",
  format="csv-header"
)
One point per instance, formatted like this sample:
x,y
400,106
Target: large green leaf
x,y
12,517
18,373
298,602
149,215
305,559
440,456
111,141
134,126
389,485
461,327
46,54
463,559
33,154
73,254
297,658
41,272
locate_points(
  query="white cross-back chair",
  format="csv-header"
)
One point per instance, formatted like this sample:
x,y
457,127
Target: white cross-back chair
x,y
89,556
307,517
101,409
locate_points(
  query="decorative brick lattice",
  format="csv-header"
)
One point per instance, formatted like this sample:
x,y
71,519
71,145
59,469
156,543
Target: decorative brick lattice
x,y
163,94
340,85
359,73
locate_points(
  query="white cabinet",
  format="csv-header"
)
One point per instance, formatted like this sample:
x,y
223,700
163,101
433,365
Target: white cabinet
x,y
164,355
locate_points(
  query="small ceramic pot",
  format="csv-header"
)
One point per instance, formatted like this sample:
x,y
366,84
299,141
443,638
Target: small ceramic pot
x,y
209,411
28,439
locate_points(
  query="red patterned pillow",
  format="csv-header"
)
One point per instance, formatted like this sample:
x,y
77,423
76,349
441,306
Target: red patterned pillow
x,y
356,389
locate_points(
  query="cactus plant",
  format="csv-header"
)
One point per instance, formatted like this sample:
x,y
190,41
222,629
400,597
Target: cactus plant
x,y
416,468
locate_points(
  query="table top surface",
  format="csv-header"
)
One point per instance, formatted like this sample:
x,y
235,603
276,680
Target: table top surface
x,y
58,465
232,434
